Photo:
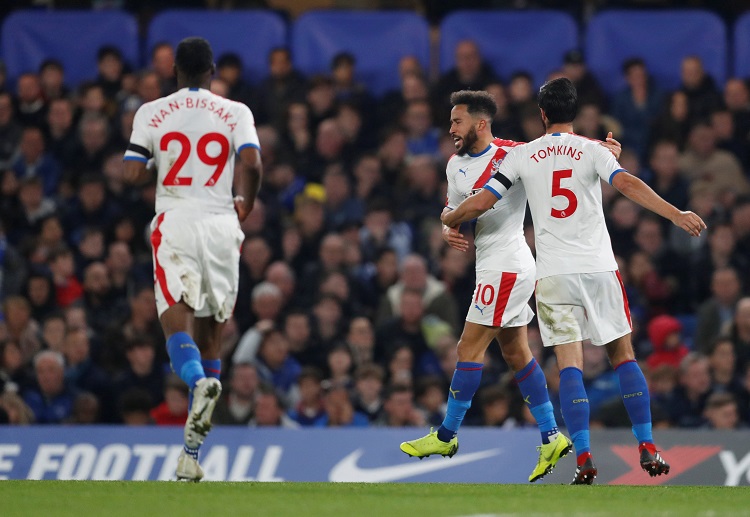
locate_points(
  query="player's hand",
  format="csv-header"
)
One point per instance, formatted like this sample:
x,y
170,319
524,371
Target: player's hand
x,y
242,208
690,222
613,145
454,239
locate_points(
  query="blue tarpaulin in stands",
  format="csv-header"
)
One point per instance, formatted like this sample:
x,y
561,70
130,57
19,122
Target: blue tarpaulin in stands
x,y
249,34
72,37
378,40
511,41
661,38
742,46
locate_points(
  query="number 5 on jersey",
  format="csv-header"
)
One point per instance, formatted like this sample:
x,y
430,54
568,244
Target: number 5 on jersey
x,y
559,190
172,179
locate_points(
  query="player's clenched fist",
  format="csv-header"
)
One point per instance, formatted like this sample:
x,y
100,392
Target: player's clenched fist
x,y
690,222
454,239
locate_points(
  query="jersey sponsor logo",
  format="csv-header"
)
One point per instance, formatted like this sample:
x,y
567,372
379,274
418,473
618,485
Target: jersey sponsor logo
x,y
348,470
578,401
631,395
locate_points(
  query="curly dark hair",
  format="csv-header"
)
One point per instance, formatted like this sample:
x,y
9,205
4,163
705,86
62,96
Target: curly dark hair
x,y
477,102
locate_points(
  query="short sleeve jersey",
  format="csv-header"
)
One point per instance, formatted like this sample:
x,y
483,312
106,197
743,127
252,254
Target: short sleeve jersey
x,y
498,233
561,173
193,136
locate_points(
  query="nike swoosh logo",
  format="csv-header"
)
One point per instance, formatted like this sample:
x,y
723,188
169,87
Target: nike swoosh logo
x,y
347,469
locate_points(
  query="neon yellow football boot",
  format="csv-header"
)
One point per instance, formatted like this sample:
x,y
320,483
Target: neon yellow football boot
x,y
430,444
549,455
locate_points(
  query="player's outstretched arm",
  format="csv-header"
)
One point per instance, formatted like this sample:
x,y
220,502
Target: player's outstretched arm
x,y
250,177
453,237
638,191
470,208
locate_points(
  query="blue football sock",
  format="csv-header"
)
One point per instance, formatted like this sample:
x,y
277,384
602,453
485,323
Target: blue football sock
x,y
465,382
533,386
574,403
637,401
185,358
212,367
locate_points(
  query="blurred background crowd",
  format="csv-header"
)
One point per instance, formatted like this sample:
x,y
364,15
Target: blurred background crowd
x,y
350,303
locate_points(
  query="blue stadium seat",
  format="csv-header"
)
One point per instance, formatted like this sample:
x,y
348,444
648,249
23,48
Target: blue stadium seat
x,y
378,40
511,41
73,37
250,34
661,38
742,46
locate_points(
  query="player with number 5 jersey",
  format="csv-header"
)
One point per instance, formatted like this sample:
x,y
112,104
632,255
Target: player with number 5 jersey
x,y
579,292
192,138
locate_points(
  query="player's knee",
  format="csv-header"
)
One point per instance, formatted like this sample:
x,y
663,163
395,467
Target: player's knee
x,y
469,351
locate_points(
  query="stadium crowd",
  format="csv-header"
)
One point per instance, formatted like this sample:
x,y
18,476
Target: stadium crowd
x,y
350,303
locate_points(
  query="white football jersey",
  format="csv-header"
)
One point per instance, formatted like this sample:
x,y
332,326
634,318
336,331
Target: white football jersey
x,y
193,136
561,172
498,233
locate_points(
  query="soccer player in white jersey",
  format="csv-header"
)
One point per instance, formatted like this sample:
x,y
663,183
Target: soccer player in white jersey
x,y
192,137
505,281
579,292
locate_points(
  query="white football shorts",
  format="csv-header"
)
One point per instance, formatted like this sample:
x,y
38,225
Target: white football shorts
x,y
579,306
501,298
196,260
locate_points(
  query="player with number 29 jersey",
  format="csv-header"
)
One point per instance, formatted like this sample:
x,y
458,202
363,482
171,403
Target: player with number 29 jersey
x,y
193,136
558,172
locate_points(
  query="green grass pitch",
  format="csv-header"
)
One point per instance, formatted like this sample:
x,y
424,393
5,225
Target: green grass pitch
x,y
165,499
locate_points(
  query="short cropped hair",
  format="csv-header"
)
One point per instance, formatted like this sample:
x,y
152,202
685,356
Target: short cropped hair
x,y
559,100
477,102
194,57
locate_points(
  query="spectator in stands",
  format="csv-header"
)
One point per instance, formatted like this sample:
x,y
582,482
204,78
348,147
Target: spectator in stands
x,y
737,101
162,62
269,410
694,385
275,365
591,123
309,411
599,379
719,169
368,390
229,69
430,396
399,409
174,409
722,412
415,277
589,91
16,409
673,123
52,80
67,287
637,105
329,324
82,373
665,334
494,401
422,136
101,307
61,135
341,207
345,85
739,331
35,161
717,312
340,366
30,106
254,259
722,122
237,402
414,87
702,95
51,400
723,366
135,408
86,409
20,327
15,372
10,131
111,68
421,194
142,371
148,87
740,218
283,85
469,73
339,410
666,178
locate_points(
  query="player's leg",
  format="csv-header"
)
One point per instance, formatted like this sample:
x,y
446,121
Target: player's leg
x,y
609,316
466,378
635,396
574,404
208,336
531,381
